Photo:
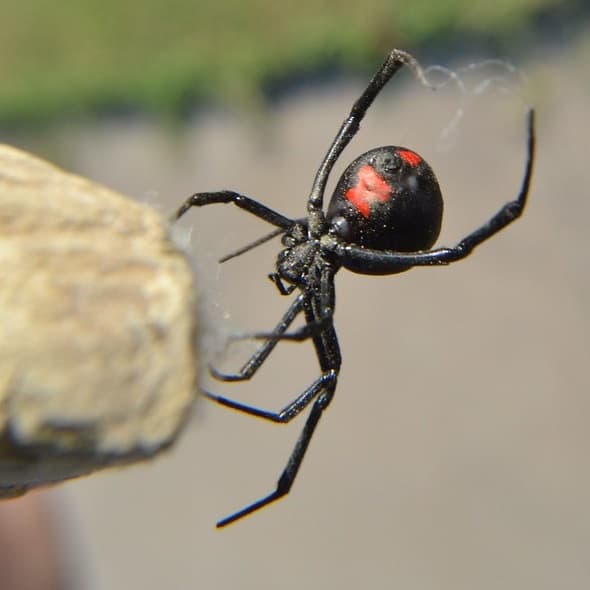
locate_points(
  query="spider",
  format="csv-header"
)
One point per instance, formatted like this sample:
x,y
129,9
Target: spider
x,y
384,216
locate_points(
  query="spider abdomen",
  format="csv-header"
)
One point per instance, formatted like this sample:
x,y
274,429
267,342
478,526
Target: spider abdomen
x,y
387,199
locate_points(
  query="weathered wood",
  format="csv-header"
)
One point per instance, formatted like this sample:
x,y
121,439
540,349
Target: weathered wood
x,y
97,329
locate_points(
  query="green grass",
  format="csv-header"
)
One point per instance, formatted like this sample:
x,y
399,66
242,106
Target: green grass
x,y
70,58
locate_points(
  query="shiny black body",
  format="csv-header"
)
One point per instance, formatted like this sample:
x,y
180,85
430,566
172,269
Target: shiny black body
x,y
407,221
385,214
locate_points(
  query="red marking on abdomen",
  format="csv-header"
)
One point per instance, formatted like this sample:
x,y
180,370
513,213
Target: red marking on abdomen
x,y
370,187
412,158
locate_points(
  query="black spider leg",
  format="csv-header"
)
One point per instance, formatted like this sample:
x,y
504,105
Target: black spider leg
x,y
272,217
273,234
391,262
394,61
252,365
272,338
322,390
299,335
241,201
260,241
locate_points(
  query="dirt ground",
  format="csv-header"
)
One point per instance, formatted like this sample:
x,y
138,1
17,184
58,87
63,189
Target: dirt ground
x,y
455,453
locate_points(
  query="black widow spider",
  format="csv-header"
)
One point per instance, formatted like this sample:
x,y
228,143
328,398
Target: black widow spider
x,y
384,215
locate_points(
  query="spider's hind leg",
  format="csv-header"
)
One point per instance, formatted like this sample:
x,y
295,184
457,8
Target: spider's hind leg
x,y
322,391
289,474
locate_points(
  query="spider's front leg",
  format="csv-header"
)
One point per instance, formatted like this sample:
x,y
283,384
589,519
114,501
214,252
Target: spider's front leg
x,y
250,205
283,223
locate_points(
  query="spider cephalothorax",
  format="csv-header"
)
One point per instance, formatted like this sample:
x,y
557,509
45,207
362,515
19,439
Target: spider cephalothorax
x,y
384,215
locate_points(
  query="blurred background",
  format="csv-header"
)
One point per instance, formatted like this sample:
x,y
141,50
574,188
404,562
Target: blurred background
x,y
455,453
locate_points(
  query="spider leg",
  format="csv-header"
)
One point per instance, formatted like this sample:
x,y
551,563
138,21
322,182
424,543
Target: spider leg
x,y
325,342
283,289
289,412
241,201
320,309
394,61
379,262
299,335
328,353
252,245
293,464
313,327
272,338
